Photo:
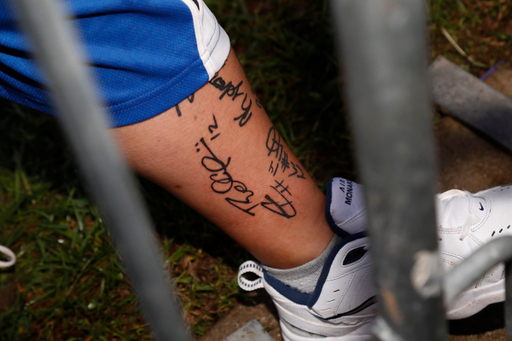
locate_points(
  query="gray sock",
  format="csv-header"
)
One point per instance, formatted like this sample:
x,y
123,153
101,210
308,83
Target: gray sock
x,y
304,277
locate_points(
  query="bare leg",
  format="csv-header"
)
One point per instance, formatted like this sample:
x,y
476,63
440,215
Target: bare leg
x,y
219,153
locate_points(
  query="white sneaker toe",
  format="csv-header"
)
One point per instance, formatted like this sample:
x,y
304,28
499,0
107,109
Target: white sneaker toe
x,y
466,222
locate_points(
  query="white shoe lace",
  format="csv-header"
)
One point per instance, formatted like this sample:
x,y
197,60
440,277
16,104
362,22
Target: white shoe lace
x,y
10,255
465,229
453,207
254,268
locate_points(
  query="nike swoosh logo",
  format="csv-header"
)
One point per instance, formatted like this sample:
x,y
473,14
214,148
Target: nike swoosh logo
x,y
481,207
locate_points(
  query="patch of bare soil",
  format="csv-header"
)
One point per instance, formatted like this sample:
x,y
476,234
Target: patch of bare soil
x,y
501,80
468,161
262,310
496,335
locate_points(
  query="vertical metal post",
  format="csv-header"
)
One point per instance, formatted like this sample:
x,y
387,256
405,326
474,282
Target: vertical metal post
x,y
508,297
383,48
111,183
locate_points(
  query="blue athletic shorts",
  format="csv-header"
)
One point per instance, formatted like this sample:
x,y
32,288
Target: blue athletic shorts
x,y
146,56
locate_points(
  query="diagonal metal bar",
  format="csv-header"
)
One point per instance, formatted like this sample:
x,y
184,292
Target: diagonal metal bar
x,y
475,266
383,48
508,297
111,183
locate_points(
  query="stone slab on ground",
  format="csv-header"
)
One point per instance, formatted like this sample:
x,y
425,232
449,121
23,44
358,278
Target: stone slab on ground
x,y
263,311
251,331
472,101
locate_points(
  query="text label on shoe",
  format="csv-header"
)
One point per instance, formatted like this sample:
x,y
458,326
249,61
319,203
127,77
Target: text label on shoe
x,y
349,192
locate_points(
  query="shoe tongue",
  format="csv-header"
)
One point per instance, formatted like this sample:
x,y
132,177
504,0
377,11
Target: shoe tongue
x,y
458,209
347,201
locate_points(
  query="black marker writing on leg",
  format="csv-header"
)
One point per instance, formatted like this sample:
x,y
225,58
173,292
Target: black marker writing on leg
x,y
232,91
282,205
272,168
274,143
190,99
280,186
298,171
276,149
284,161
242,188
247,113
213,127
222,181
227,89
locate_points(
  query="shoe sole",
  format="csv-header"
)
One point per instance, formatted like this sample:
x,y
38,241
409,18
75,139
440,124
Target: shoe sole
x,y
363,334
470,302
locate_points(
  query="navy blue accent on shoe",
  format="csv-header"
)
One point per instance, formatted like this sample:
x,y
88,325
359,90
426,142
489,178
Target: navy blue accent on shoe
x,y
287,291
328,263
355,255
303,298
328,215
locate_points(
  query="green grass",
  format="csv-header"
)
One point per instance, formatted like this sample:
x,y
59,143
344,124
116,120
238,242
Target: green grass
x,y
68,282
481,28
63,251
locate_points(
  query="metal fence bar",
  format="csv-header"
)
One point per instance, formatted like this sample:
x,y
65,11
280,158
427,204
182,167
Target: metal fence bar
x,y
383,49
475,266
111,183
508,297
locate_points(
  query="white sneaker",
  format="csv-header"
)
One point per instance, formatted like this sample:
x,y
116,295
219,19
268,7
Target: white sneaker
x,y
466,222
342,305
11,257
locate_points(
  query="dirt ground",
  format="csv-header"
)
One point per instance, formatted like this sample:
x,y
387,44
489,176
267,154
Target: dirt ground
x,y
466,161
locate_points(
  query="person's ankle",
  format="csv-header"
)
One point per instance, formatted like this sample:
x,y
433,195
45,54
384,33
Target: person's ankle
x,y
304,277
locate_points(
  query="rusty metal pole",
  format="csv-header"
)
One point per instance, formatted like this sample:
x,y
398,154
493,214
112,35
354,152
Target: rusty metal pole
x,y
111,183
383,49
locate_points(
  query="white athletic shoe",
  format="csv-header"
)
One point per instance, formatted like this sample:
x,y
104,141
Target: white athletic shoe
x,y
11,257
342,305
466,222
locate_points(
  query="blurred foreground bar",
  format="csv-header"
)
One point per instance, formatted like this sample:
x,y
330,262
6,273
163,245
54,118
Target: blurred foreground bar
x,y
382,44
110,182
